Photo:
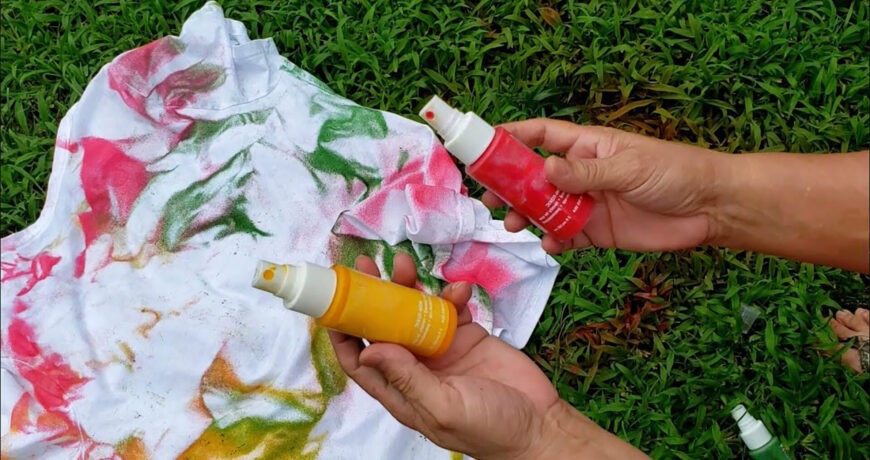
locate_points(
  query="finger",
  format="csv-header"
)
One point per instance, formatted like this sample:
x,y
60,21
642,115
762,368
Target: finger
x,y
371,380
515,222
403,372
463,316
467,337
618,174
347,349
459,294
491,201
366,265
553,246
556,136
347,352
404,270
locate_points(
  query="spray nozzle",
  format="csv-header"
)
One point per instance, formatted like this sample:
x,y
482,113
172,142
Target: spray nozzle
x,y
270,276
441,116
465,135
305,288
752,431
739,413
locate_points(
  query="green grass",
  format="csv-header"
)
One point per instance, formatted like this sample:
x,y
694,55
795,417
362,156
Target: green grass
x,y
735,76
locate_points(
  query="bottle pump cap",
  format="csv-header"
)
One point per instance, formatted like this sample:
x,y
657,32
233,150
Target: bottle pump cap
x,y
305,288
752,431
466,136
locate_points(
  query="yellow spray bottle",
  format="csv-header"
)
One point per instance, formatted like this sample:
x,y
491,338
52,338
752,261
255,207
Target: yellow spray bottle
x,y
363,306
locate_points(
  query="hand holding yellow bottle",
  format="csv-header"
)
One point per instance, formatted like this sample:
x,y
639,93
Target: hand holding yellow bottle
x,y
363,306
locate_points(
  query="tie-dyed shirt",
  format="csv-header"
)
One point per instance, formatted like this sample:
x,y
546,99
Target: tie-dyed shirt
x,y
129,327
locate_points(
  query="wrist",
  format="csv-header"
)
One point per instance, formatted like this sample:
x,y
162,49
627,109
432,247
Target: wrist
x,y
727,209
566,433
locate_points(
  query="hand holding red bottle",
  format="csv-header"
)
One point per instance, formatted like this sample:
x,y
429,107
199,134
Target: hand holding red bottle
x,y
649,194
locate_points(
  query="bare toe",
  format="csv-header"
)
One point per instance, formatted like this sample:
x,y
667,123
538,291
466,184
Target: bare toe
x,y
851,359
843,331
860,321
847,325
851,320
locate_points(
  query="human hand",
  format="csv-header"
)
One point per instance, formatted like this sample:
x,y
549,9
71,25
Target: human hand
x,y
482,397
650,194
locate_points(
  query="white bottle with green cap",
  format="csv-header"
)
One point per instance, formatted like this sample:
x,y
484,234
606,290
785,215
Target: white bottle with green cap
x,y
761,444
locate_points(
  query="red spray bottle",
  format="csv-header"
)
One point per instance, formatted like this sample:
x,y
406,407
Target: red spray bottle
x,y
509,169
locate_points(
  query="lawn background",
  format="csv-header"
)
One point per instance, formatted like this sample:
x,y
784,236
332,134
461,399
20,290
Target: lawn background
x,y
737,76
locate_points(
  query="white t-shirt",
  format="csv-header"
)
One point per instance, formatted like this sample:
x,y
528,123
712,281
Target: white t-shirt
x,y
128,321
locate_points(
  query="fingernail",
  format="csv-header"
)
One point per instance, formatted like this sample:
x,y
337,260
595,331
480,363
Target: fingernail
x,y
843,314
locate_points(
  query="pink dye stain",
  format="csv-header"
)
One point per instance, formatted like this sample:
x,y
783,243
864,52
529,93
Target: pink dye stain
x,y
54,385
67,145
7,244
441,169
437,169
130,75
371,211
432,200
112,181
476,266
181,88
53,380
39,269
79,269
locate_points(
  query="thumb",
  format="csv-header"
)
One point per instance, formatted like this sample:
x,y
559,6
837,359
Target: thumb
x,y
404,372
583,175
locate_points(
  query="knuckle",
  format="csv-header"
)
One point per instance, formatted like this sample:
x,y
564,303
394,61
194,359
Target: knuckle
x,y
402,381
588,171
629,171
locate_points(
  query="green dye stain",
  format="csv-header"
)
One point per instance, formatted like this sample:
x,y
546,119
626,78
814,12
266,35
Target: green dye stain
x,y
183,215
216,191
351,120
203,131
424,257
200,78
347,121
403,159
330,375
236,221
274,439
269,438
482,297
345,249
176,43
297,72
